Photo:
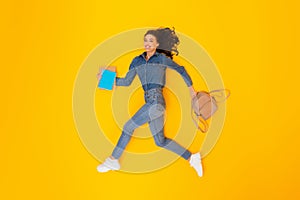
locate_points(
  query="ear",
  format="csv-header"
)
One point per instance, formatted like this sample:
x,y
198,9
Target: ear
x,y
157,45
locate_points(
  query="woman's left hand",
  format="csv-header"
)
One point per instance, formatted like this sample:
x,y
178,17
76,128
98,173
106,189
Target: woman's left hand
x,y
192,91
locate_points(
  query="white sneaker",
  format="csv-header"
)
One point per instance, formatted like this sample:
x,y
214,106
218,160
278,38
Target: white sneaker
x,y
109,164
195,162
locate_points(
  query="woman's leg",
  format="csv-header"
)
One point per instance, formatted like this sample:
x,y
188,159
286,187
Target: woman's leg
x,y
140,117
157,129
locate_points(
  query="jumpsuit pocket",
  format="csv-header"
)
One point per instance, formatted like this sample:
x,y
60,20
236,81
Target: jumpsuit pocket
x,y
156,98
157,104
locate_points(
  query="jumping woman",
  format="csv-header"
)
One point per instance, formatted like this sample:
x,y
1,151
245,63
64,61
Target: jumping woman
x,y
160,46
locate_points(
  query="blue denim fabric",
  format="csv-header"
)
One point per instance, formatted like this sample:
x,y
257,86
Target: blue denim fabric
x,y
153,113
152,74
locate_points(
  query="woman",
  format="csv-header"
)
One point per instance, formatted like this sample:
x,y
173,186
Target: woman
x,y
150,66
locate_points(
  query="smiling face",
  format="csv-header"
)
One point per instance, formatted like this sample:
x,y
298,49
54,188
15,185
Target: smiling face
x,y
150,43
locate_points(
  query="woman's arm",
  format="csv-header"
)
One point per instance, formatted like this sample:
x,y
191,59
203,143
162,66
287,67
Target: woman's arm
x,y
181,70
127,80
192,91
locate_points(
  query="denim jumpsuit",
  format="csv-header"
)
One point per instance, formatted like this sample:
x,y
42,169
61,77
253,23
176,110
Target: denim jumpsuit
x,y
152,75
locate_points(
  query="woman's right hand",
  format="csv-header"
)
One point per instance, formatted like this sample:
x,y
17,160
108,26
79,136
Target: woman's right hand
x,y
99,75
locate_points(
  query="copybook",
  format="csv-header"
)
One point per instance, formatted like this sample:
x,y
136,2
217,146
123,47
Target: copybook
x,y
108,78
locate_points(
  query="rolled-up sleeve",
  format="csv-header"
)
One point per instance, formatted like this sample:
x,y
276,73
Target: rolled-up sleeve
x,y
127,80
180,69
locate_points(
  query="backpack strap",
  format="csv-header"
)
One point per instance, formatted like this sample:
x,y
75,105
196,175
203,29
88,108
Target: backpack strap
x,y
201,120
220,94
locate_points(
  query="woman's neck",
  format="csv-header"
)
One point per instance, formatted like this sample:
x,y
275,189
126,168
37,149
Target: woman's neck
x,y
149,54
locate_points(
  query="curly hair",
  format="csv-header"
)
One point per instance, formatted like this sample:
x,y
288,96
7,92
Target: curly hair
x,y
167,39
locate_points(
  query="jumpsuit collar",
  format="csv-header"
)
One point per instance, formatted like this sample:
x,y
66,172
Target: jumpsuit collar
x,y
145,53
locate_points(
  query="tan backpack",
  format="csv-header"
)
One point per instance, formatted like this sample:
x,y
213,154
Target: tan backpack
x,y
204,105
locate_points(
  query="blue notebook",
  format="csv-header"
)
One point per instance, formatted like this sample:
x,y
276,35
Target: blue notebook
x,y
107,80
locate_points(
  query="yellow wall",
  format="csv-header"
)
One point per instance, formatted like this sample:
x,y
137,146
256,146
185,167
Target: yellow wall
x,y
253,43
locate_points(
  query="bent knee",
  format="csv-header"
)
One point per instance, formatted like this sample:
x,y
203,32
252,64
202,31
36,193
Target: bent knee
x,y
161,142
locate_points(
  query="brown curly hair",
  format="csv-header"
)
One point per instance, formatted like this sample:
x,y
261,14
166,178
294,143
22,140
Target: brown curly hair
x,y
167,39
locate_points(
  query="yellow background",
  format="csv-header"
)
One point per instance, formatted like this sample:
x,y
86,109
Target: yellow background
x,y
255,45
